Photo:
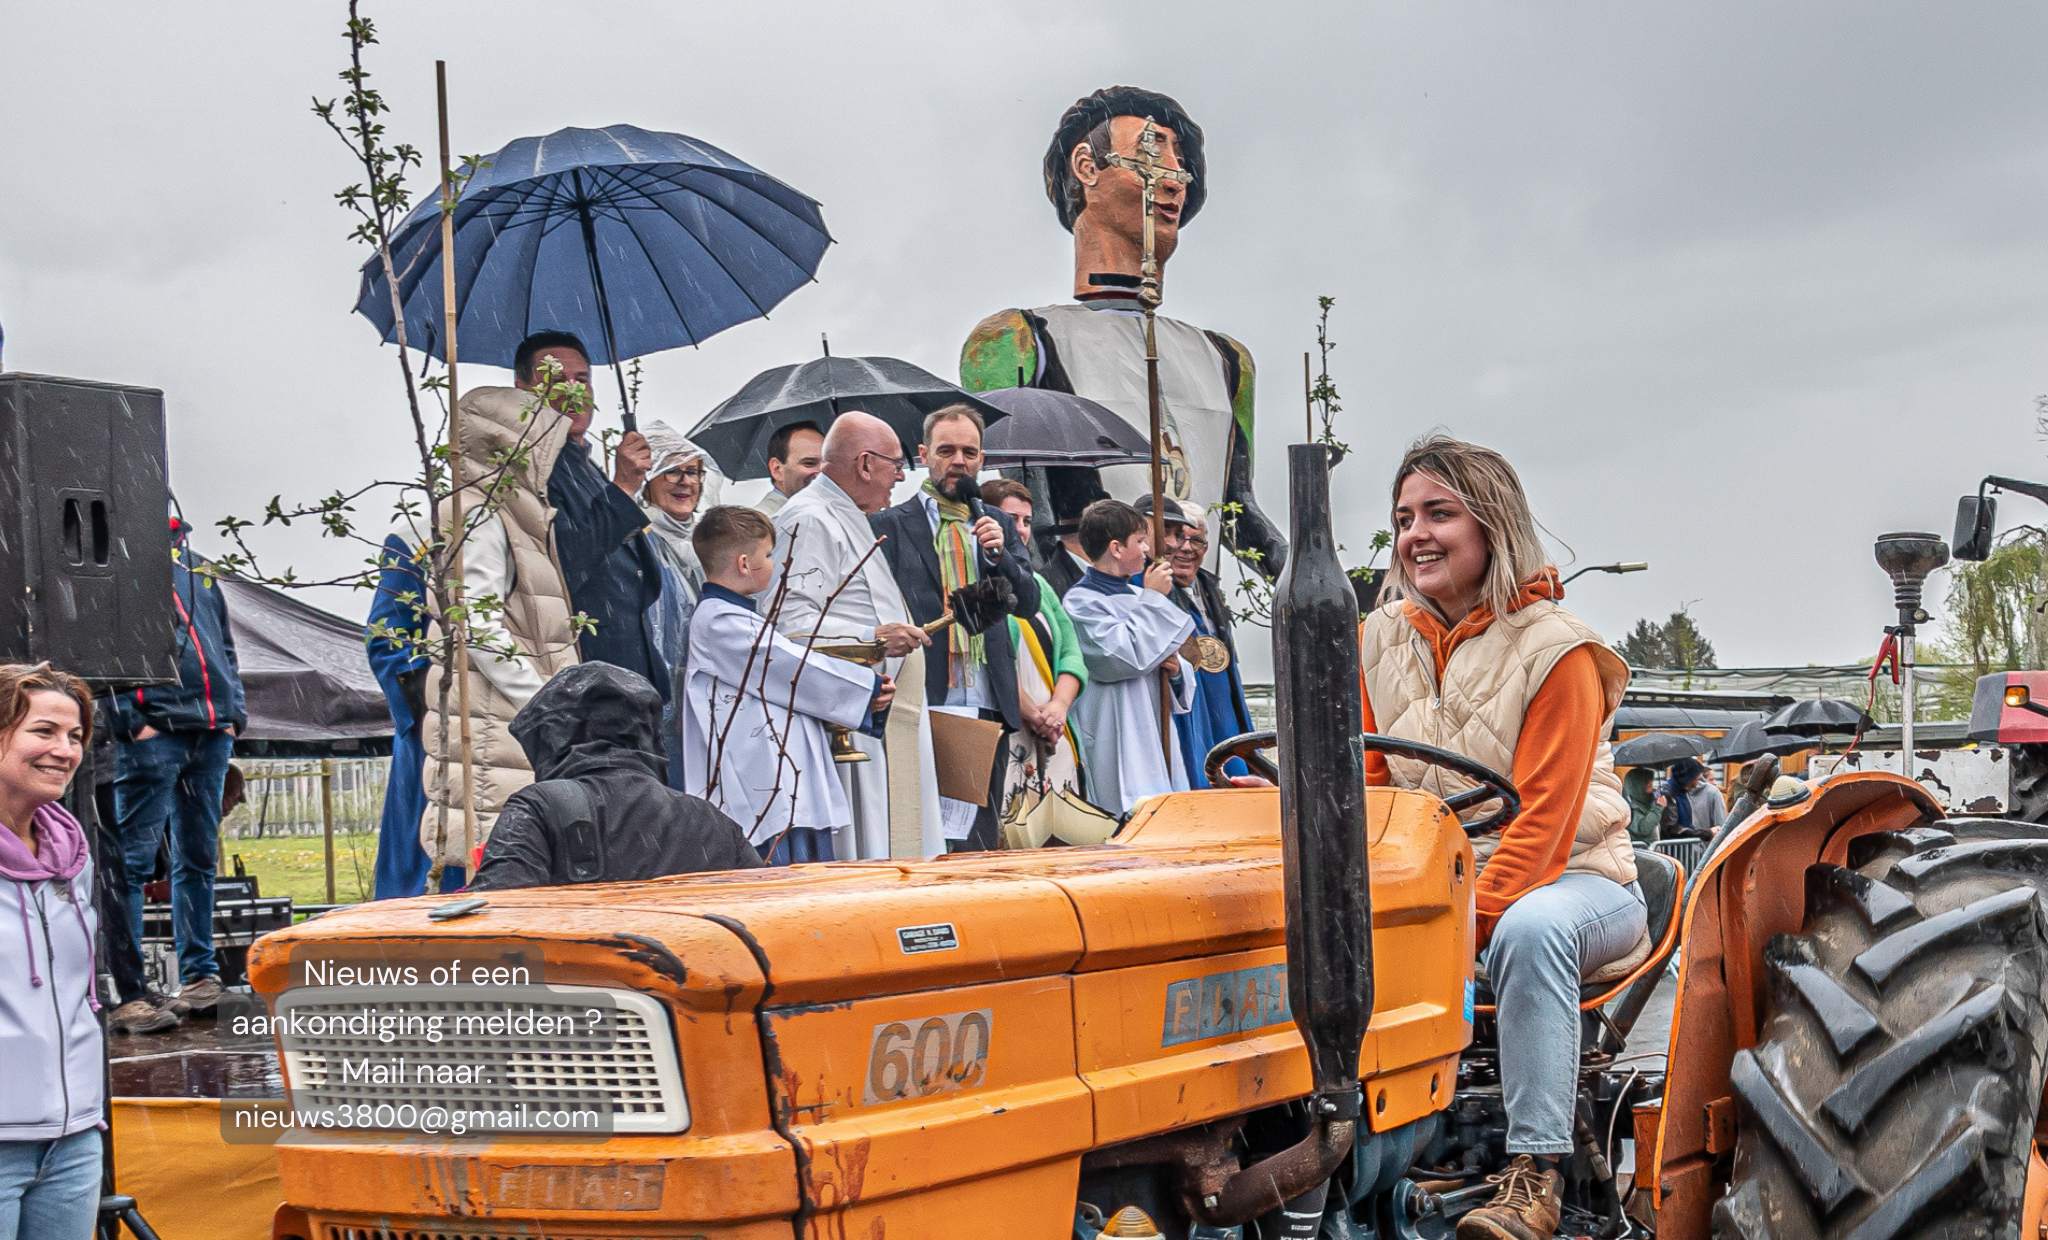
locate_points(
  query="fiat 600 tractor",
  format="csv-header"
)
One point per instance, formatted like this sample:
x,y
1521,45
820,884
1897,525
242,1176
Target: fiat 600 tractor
x,y
1253,1013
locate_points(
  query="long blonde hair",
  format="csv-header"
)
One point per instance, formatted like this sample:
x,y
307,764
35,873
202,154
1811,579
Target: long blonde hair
x,y
1487,485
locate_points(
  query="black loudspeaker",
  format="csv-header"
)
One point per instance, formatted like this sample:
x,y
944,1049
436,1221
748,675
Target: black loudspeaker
x,y
85,543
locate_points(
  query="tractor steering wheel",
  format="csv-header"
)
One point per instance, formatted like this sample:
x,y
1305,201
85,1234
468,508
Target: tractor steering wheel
x,y
1493,786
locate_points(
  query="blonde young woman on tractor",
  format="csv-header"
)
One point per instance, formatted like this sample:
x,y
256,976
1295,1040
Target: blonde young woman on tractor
x,y
1471,652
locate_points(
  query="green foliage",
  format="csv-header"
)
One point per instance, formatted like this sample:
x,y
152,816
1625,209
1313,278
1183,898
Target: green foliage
x,y
1994,623
1323,393
1676,643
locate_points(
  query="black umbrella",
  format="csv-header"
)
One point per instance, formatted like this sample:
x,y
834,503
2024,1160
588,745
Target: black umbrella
x,y
1818,716
1660,749
1058,428
1751,741
736,433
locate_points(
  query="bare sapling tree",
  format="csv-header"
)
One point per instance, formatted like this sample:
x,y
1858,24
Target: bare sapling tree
x,y
443,503
1323,403
778,734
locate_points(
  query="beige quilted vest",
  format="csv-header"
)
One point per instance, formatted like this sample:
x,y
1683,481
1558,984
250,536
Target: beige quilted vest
x,y
536,614
1488,685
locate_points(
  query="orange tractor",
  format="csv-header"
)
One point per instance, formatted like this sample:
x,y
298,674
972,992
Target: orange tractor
x,y
1253,1013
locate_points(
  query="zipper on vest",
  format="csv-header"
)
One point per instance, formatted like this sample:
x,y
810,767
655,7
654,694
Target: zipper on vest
x,y
57,1008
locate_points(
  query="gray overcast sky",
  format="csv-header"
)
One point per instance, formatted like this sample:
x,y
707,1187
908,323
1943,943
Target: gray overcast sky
x,y
1737,286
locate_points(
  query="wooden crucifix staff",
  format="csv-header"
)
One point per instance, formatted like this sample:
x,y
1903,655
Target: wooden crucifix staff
x,y
1150,172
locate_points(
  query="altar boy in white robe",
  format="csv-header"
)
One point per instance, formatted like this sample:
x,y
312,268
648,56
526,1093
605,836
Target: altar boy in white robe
x,y
755,706
1128,628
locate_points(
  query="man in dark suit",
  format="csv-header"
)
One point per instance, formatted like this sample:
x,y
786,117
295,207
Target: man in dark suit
x,y
937,542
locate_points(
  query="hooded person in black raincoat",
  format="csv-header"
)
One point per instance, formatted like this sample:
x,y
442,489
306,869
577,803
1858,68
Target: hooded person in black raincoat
x,y
596,728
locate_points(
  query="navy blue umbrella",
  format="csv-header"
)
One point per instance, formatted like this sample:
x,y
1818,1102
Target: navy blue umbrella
x,y
635,241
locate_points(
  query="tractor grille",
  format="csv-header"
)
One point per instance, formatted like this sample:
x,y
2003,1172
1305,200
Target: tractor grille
x,y
429,1232
521,1080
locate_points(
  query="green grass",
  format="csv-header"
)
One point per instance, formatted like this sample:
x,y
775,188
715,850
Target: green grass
x,y
296,866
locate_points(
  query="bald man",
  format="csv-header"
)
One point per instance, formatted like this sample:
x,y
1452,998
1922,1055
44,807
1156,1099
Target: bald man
x,y
895,803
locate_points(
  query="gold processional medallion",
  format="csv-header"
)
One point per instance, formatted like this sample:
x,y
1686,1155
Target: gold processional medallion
x,y
1206,652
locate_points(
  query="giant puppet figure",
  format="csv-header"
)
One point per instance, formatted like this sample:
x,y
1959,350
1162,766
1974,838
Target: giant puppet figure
x,y
1096,173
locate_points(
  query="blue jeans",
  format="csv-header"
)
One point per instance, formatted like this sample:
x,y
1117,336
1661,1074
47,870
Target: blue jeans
x,y
796,844
1541,947
50,1190
173,780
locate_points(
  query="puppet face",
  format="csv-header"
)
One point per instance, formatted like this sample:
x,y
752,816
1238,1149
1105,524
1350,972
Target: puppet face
x,y
1441,544
1115,197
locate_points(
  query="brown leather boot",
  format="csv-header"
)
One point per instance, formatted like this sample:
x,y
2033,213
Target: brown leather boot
x,y
1525,1208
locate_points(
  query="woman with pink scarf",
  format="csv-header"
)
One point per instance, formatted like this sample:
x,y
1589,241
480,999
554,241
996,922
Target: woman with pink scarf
x,y
51,1100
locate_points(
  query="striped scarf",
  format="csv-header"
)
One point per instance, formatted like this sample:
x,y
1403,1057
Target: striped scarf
x,y
955,546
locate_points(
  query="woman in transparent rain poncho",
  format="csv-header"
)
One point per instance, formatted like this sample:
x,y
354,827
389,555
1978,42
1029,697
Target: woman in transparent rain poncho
x,y
682,482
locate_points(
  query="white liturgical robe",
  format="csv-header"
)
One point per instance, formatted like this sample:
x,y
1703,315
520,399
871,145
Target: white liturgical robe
x,y
1126,634
831,534
757,786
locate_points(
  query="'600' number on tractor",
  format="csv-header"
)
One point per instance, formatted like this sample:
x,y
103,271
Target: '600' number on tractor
x,y
934,1056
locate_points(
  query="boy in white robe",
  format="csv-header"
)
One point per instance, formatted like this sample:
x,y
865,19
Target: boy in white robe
x,y
755,706
1127,632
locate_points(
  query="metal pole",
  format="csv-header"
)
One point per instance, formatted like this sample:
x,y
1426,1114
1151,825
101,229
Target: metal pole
x,y
1308,403
1906,701
455,492
604,309
327,819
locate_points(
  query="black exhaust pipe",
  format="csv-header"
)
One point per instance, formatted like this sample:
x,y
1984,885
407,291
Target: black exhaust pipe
x,y
1322,786
1322,833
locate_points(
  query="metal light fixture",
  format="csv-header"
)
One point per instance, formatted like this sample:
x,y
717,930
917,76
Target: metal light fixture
x,y
1625,566
1907,558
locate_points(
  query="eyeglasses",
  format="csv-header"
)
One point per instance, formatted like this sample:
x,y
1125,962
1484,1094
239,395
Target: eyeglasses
x,y
896,463
694,473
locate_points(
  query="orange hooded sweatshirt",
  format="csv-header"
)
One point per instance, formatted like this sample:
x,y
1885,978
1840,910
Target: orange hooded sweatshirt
x,y
1553,756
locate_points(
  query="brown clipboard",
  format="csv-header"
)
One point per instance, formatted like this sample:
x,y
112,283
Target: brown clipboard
x,y
964,753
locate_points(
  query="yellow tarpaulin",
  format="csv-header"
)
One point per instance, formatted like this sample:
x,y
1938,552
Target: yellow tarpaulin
x,y
192,1185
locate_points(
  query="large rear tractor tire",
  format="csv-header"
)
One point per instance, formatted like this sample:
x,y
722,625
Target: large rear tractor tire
x,y
1894,1085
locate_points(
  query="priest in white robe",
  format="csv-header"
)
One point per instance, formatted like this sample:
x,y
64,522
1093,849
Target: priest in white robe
x,y
1127,632
756,705
894,795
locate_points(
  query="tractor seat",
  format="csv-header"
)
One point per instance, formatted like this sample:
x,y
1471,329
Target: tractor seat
x,y
1663,882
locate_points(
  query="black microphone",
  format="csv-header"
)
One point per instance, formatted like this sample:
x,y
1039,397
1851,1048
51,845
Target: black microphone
x,y
961,488
982,605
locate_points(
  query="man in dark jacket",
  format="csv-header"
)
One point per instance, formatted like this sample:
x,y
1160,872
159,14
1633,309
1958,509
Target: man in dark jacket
x,y
1220,711
595,729
608,565
938,541
171,765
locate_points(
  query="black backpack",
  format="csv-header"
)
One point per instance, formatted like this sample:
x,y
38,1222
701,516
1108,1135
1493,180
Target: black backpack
x,y
565,807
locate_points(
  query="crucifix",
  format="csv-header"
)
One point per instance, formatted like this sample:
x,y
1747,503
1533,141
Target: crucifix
x,y
1150,171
